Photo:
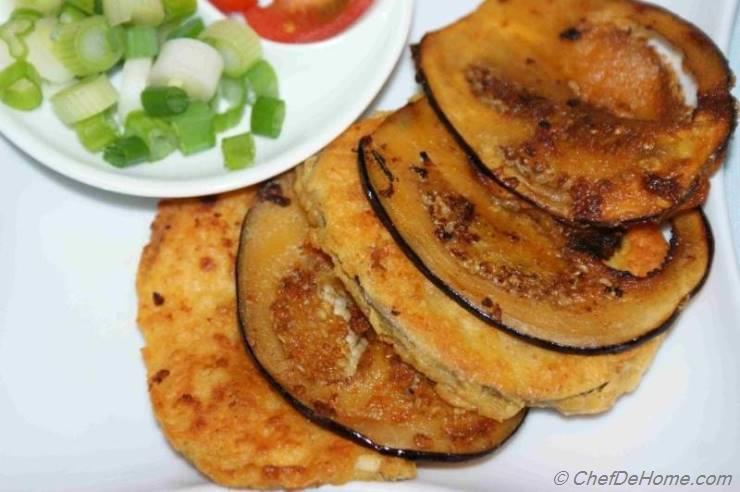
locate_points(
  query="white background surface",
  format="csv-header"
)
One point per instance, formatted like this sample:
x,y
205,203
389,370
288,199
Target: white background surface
x,y
74,413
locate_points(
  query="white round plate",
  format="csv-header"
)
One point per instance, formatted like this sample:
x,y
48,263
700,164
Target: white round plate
x,y
326,86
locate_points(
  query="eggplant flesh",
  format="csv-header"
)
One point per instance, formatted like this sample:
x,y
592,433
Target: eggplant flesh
x,y
568,105
318,349
510,263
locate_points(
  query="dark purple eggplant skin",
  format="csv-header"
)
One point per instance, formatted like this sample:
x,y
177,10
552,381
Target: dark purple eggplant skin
x,y
332,425
374,199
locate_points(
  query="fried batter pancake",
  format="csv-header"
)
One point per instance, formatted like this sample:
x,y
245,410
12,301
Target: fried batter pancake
x,y
490,370
566,103
209,398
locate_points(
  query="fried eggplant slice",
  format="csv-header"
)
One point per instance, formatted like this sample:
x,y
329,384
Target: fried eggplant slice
x,y
209,398
508,262
320,352
473,364
568,104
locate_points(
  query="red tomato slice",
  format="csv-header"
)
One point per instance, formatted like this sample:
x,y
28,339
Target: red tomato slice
x,y
228,6
305,21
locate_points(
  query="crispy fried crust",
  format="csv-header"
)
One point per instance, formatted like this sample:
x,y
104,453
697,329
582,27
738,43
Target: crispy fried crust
x,y
565,103
210,400
490,370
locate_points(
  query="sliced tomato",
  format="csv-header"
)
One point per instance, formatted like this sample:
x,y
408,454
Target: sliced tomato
x,y
228,6
305,21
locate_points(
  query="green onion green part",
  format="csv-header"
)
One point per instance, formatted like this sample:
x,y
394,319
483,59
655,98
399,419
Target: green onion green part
x,y
45,7
126,151
164,101
195,129
191,28
24,13
70,14
13,32
179,9
148,13
238,44
87,6
233,93
84,99
20,86
89,46
119,11
97,132
263,80
141,42
238,151
268,115
158,134
141,12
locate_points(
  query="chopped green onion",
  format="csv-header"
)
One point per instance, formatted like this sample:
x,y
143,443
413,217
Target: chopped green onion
x,y
143,12
238,151
20,86
233,92
164,101
157,133
148,13
13,32
238,44
165,29
134,78
84,99
45,7
229,119
268,115
70,14
126,151
41,53
141,42
263,80
24,95
97,132
194,128
23,13
179,9
87,6
190,64
188,29
5,58
119,11
89,46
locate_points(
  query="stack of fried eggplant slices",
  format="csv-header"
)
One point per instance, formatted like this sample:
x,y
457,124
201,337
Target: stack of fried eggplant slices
x,y
522,234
